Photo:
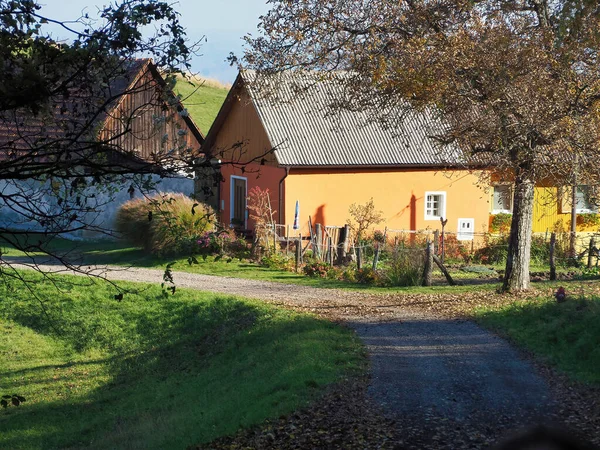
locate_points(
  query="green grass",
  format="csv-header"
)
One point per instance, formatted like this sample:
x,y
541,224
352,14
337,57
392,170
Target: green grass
x,y
202,100
154,372
564,334
118,253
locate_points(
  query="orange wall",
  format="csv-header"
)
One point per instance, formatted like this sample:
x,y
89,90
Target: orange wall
x,y
326,197
266,177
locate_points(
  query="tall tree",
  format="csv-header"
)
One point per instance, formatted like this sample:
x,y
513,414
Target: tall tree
x,y
515,82
64,132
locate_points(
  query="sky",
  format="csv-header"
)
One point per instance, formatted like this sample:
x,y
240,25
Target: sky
x,y
222,22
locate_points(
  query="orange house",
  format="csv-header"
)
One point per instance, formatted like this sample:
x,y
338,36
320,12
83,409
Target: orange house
x,y
292,144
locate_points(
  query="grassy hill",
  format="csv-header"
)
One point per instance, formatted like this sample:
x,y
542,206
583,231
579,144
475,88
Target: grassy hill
x,y
154,372
202,98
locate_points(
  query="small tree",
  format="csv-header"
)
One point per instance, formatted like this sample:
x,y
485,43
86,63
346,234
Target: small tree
x,y
363,217
259,206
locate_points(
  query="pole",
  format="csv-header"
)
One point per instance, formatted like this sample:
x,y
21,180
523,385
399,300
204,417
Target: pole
x,y
552,264
427,272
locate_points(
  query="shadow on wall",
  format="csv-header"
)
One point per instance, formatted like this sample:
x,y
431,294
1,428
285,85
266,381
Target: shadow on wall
x,y
319,216
413,212
411,208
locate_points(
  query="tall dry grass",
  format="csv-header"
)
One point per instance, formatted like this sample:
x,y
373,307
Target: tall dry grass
x,y
164,224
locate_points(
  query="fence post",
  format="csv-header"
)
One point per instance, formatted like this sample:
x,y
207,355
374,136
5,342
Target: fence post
x,y
358,258
552,264
287,240
330,246
298,253
341,245
427,272
346,238
590,252
443,243
376,256
436,238
319,253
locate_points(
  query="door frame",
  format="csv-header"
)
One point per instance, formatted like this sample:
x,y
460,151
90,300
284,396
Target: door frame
x,y
232,199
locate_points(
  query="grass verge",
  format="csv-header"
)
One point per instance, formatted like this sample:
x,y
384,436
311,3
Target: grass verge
x,y
154,372
118,253
566,335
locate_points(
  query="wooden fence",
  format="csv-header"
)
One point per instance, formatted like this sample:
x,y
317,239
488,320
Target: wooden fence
x,y
335,246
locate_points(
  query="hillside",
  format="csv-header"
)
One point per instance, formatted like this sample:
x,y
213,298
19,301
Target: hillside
x,y
203,99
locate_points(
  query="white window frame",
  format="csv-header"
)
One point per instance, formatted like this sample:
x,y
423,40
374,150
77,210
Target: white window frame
x,y
442,206
231,199
502,211
592,210
461,236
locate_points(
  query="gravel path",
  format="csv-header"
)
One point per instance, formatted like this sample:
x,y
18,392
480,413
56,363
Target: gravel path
x,y
436,377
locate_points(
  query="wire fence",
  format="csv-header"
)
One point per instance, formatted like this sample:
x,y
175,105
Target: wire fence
x,y
336,245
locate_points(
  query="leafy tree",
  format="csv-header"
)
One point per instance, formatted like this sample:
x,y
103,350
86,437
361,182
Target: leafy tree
x,y
363,217
516,83
60,164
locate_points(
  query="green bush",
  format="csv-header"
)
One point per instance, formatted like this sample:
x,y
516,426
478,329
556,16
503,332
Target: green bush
x,y
317,269
223,242
501,223
366,275
495,250
164,224
132,222
277,261
405,267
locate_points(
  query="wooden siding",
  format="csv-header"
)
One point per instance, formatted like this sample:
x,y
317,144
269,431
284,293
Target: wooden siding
x,y
145,125
242,137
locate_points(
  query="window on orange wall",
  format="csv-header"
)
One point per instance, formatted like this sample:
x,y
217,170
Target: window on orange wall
x,y
435,205
502,199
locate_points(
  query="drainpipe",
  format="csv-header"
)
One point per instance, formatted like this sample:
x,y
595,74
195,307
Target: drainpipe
x,y
287,172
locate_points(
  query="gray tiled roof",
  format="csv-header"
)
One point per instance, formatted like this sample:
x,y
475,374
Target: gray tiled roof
x,y
297,115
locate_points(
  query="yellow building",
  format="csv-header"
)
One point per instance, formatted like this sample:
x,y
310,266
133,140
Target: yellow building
x,y
552,207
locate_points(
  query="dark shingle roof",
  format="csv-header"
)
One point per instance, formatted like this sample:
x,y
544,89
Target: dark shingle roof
x,y
296,111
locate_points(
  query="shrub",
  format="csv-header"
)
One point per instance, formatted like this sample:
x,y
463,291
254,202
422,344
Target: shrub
x,y
405,267
455,250
224,242
348,274
501,223
132,222
316,269
164,224
588,220
260,211
278,261
495,250
366,275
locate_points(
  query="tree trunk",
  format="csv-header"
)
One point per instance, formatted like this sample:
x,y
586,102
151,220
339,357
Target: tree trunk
x,y
516,275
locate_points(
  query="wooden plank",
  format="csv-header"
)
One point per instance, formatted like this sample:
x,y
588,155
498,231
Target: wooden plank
x,y
319,241
552,263
428,269
439,263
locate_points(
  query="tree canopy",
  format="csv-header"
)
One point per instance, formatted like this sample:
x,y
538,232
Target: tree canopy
x,y
60,163
516,82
